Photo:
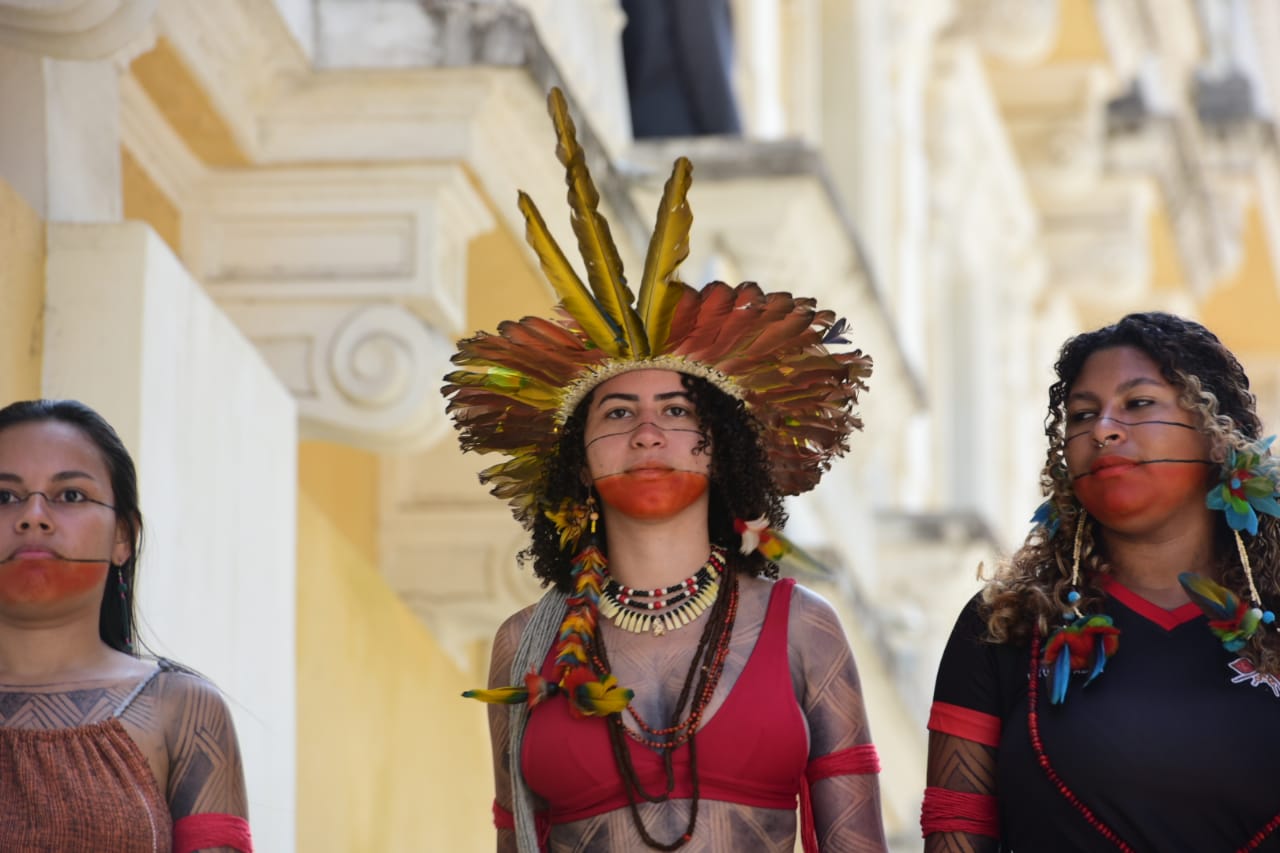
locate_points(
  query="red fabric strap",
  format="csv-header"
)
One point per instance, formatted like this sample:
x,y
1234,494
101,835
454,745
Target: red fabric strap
x,y
206,831
965,722
846,762
856,760
945,810
503,819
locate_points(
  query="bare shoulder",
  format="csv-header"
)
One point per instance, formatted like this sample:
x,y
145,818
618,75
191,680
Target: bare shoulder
x,y
192,705
514,625
811,611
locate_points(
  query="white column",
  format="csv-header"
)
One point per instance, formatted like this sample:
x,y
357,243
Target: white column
x,y
60,135
214,435
59,125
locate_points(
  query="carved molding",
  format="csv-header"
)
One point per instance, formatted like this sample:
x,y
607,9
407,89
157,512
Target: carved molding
x,y
363,233
352,283
448,548
363,374
73,29
1207,219
1020,31
1056,119
802,241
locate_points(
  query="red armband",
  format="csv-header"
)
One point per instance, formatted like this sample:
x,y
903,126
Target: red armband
x,y
854,761
846,762
503,819
205,831
945,810
965,722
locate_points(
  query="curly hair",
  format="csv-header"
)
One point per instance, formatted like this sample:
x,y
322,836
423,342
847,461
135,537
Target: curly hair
x,y
741,484
1029,589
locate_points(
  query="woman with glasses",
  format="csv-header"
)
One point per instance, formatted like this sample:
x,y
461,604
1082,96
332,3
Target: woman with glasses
x,y
100,748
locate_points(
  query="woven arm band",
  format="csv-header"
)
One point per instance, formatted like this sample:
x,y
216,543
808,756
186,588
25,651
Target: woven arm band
x,y
207,831
945,810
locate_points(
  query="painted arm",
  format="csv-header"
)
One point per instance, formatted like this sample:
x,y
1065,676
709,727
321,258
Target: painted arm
x,y
964,767
205,790
505,643
846,806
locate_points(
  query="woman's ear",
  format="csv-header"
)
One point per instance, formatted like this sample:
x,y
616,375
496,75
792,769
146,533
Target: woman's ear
x,y
122,548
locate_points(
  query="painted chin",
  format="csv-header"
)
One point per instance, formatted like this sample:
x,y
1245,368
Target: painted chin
x,y
651,493
48,580
1118,493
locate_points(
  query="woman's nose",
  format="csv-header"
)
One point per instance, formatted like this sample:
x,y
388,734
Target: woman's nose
x,y
33,514
1107,430
647,434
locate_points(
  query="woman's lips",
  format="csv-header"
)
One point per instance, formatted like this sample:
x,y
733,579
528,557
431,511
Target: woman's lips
x,y
30,553
649,472
1111,466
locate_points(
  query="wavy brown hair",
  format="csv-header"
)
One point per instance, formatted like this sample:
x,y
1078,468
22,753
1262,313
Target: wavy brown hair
x,y
1029,590
741,483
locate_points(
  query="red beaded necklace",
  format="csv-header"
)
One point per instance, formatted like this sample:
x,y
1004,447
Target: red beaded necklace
x,y
708,663
1033,726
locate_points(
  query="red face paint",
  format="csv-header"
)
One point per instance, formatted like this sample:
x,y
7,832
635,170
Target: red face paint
x,y
45,580
651,493
1115,494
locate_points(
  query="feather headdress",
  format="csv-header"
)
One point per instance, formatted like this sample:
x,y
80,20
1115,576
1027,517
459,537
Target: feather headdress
x,y
513,390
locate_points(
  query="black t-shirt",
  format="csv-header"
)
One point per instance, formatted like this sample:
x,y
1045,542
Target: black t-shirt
x,y
1175,747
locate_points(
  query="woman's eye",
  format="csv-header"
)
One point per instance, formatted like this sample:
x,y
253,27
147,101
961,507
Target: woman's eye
x,y
7,497
679,411
615,414
71,496
1078,417
1142,401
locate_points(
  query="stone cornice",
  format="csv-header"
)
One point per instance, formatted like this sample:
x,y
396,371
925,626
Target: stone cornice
x,y
777,244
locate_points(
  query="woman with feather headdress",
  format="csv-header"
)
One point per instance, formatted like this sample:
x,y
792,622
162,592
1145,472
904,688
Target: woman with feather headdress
x,y
668,691
1116,685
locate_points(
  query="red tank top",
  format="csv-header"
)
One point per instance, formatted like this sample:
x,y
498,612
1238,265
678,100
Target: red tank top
x,y
752,751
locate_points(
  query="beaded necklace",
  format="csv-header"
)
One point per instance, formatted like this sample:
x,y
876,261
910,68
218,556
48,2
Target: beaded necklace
x,y
1033,726
660,610
708,665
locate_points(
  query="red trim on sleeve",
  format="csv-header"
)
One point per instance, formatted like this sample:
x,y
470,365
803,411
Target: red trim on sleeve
x,y
502,819
856,760
209,830
964,722
945,810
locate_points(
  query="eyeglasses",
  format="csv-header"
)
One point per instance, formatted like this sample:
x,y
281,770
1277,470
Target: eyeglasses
x,y
63,502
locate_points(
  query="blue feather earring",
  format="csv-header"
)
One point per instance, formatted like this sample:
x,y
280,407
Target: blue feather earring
x,y
1082,643
1250,484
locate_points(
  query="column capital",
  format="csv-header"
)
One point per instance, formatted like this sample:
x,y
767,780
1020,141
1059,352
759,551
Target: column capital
x,y
73,29
350,281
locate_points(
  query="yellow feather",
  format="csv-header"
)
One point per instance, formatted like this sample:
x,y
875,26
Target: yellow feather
x,y
577,299
668,247
599,253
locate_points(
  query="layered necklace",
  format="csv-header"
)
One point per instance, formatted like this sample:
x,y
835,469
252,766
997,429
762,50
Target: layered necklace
x,y
660,610
699,685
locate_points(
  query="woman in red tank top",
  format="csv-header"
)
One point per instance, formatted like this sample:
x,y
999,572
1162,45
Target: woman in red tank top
x,y
99,749
668,691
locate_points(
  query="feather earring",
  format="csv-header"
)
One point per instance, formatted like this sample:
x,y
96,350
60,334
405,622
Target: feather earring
x,y
1250,485
1082,643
